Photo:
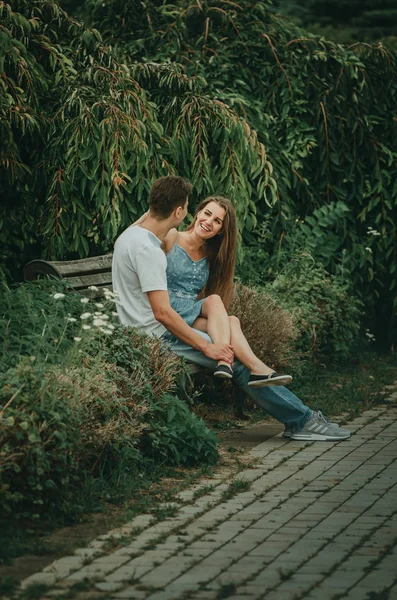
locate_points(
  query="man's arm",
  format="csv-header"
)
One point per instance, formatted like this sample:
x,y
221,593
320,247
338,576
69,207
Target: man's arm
x,y
167,316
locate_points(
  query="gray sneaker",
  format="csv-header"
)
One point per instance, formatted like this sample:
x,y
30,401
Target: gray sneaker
x,y
288,429
318,428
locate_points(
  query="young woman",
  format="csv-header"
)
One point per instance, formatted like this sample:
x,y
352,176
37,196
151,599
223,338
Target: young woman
x,y
200,274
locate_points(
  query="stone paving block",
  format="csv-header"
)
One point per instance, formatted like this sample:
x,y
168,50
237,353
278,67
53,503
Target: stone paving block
x,y
130,593
63,566
309,506
105,586
205,595
39,578
55,593
90,571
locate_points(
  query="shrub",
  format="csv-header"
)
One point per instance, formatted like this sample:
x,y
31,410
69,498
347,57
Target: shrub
x,y
38,432
268,328
326,314
72,411
176,435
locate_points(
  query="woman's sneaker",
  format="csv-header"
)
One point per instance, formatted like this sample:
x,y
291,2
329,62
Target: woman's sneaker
x,y
271,379
223,372
317,429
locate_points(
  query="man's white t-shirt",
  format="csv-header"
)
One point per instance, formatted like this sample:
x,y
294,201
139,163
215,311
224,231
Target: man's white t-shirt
x,y
139,266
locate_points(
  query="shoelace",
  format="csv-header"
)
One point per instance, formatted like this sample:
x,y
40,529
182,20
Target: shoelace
x,y
321,417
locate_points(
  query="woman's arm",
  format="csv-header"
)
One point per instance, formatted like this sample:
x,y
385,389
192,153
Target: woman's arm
x,y
140,220
169,240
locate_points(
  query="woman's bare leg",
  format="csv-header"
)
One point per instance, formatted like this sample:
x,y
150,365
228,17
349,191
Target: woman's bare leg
x,y
223,329
214,317
243,351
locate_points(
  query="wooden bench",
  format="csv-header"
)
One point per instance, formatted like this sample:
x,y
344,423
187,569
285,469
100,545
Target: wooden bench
x,y
97,271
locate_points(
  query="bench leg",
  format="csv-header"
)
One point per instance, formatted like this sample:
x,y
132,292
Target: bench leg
x,y
239,398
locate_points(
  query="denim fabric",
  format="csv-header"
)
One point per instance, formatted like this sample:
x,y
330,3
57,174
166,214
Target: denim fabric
x,y
278,401
185,280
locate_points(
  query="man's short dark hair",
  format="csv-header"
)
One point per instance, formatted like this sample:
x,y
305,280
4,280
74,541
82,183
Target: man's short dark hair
x,y
167,193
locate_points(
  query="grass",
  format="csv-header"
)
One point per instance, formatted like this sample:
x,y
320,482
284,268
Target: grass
x,y
236,487
7,585
226,591
33,592
348,388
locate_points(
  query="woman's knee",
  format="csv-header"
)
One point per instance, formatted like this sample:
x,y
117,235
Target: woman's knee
x,y
234,321
214,301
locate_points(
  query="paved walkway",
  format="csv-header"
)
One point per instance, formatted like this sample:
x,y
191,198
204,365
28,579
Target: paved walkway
x,y
312,521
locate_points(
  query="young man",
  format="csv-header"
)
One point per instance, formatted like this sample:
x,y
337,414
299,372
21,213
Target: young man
x,y
139,277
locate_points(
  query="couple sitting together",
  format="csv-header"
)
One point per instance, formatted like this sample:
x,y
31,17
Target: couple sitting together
x,y
178,286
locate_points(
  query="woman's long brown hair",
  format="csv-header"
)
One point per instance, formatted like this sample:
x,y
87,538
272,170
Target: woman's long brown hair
x,y
221,252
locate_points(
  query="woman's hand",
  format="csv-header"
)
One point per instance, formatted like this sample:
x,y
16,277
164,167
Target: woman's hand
x,y
218,352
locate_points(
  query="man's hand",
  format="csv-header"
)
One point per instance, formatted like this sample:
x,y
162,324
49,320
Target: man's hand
x,y
160,303
222,352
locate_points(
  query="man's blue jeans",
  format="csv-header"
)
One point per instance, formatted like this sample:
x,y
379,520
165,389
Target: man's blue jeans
x,y
278,401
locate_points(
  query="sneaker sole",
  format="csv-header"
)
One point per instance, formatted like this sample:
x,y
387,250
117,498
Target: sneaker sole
x,y
318,437
288,434
223,376
274,381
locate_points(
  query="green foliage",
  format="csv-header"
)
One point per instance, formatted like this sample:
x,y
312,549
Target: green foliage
x,y
71,411
326,315
176,435
83,136
317,107
37,433
344,21
199,89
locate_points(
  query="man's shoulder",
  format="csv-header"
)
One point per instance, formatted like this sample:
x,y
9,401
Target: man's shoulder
x,y
139,239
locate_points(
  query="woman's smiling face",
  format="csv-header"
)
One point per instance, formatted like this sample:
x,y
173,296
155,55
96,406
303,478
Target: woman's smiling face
x,y
209,221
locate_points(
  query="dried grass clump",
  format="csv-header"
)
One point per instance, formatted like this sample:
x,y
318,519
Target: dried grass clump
x,y
268,328
162,366
107,404
112,393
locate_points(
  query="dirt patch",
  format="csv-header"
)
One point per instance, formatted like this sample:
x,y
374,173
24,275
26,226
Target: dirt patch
x,y
250,436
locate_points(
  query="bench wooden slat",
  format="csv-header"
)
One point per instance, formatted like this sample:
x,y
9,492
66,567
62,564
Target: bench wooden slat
x,y
98,279
84,266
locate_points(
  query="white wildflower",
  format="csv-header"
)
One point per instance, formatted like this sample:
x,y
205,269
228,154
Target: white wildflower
x,y
77,339
105,290
115,314
98,323
107,331
105,317
86,327
368,249
86,315
110,326
98,305
371,231
71,320
58,296
84,300
98,314
93,288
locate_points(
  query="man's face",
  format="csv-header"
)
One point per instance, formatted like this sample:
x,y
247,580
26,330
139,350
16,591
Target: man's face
x,y
182,212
